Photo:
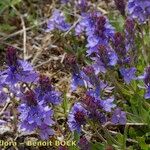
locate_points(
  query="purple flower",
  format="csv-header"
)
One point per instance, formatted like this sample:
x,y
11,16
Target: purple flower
x,y
3,97
77,78
146,78
97,107
139,9
45,92
119,117
84,144
57,21
119,45
120,5
34,116
45,131
108,104
52,97
129,34
147,94
94,102
76,81
91,79
128,74
77,117
106,57
97,29
82,5
11,56
18,70
98,116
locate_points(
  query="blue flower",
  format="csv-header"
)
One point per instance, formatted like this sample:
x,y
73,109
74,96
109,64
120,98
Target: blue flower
x,y
45,91
128,74
97,29
2,79
119,117
82,5
45,131
98,107
91,79
130,34
139,9
3,97
57,21
146,78
35,116
105,58
108,104
76,81
84,144
119,45
17,70
77,117
147,94
94,102
52,97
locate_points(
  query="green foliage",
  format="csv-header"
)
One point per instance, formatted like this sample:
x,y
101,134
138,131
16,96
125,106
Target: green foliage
x,y
97,146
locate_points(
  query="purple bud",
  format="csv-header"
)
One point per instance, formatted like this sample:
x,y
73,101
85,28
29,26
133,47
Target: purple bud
x,y
119,44
103,53
100,26
147,76
44,82
79,117
90,101
129,25
30,98
70,59
84,143
118,37
11,56
89,70
120,5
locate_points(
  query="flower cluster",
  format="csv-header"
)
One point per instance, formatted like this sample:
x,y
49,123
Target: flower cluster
x,y
45,92
36,94
57,21
124,46
35,113
95,108
17,70
110,64
77,117
97,29
139,9
35,116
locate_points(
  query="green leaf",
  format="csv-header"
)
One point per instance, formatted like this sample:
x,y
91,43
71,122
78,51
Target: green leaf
x,y
65,104
142,143
97,146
